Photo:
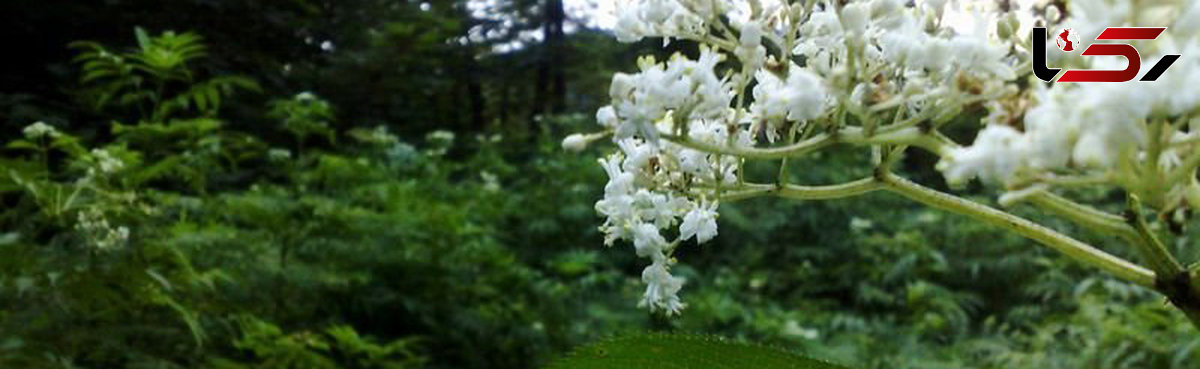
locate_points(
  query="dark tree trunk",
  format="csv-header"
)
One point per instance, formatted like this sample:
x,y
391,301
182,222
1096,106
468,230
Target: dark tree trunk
x,y
551,85
475,93
558,50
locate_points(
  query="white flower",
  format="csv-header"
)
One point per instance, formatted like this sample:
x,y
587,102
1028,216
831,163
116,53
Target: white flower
x,y
439,141
800,98
619,182
648,242
440,136
278,155
105,162
40,129
638,154
860,224
883,60
994,157
750,50
640,100
700,222
660,209
617,203
381,135
657,18
662,289
98,234
491,183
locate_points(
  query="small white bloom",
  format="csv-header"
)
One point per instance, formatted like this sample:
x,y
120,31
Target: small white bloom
x,y
700,222
680,85
40,129
278,155
659,18
662,289
97,233
107,163
440,136
860,224
750,50
995,156
648,242
491,183
800,98
381,135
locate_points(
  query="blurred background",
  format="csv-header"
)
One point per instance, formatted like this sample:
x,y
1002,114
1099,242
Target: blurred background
x,y
380,184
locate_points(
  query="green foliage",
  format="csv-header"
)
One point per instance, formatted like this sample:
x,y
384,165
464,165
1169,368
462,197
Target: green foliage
x,y
302,116
336,347
682,351
157,84
156,78
97,274
76,263
374,242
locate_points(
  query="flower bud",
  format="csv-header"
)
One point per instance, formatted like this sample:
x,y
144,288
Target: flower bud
x,y
607,117
1053,14
855,17
575,142
1004,28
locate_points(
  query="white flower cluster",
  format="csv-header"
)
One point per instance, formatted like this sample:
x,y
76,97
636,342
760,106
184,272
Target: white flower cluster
x,y
1095,128
104,163
800,98
663,192
682,85
917,48
638,214
650,190
98,233
769,72
439,142
38,130
662,18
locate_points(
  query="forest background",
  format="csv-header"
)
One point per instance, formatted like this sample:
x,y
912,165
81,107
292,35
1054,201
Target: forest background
x,y
380,184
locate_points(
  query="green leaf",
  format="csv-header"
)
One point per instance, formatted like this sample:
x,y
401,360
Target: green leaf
x,y
143,39
22,145
676,351
157,170
214,97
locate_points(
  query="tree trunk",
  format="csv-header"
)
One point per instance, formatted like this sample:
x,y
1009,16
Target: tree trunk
x,y
550,90
475,93
558,50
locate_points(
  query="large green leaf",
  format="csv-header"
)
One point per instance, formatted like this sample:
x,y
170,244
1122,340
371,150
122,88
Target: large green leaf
x,y
674,351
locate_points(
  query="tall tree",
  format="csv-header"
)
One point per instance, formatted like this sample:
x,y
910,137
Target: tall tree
x,y
552,81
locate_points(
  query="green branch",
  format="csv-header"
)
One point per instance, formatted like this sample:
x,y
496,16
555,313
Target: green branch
x,y
1152,249
1071,247
796,192
911,136
1084,215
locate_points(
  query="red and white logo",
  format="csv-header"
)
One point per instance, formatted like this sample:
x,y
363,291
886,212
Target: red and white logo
x,y
1067,41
